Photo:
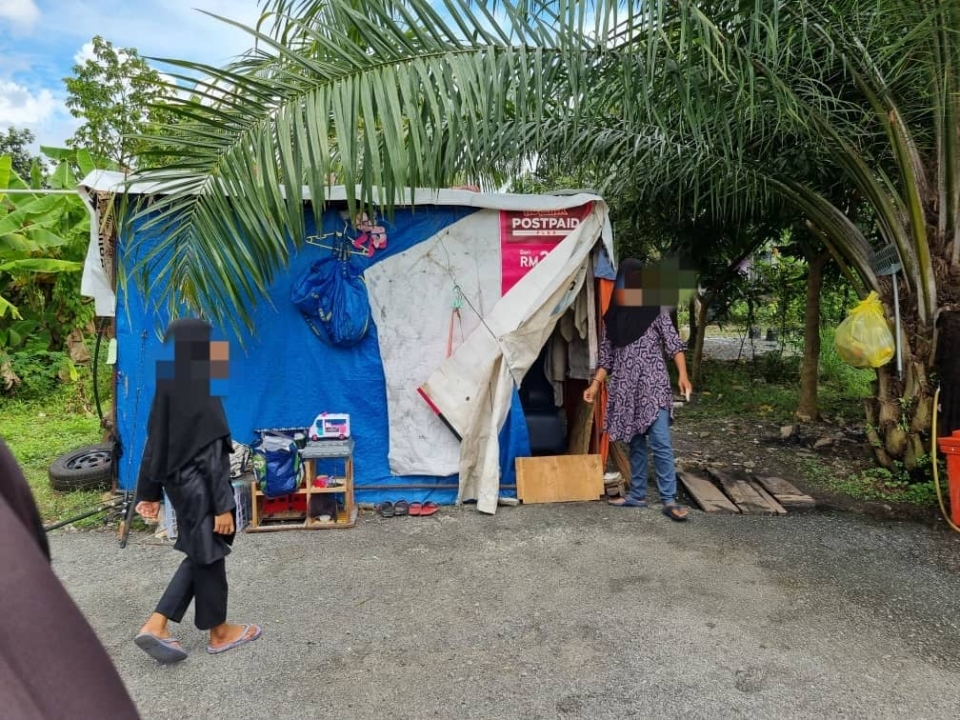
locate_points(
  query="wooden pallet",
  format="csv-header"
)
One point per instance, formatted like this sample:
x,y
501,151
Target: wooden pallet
x,y
749,497
708,496
737,492
785,493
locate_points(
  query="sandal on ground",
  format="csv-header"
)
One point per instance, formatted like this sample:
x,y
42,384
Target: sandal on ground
x,y
627,502
386,509
242,640
164,650
415,508
429,508
401,507
675,512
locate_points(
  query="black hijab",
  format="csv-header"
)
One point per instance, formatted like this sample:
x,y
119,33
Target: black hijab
x,y
627,323
184,417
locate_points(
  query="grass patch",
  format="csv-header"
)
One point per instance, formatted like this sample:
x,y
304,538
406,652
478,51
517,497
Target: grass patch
x,y
41,428
879,484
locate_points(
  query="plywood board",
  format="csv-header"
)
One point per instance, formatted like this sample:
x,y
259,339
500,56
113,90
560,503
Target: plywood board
x,y
707,495
559,478
786,493
749,498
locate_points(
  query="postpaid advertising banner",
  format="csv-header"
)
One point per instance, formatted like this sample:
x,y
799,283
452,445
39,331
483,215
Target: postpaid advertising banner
x,y
526,236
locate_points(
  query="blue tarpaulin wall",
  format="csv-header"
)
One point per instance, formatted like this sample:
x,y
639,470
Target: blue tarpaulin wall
x,y
285,375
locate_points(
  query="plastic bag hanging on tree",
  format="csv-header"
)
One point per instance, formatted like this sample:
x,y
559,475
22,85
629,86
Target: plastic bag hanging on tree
x,y
864,338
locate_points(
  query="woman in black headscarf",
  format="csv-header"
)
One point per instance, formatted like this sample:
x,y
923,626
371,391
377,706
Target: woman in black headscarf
x,y
52,665
188,455
634,341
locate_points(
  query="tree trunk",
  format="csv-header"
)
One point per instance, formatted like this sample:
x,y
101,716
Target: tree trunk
x,y
900,413
694,325
696,372
808,409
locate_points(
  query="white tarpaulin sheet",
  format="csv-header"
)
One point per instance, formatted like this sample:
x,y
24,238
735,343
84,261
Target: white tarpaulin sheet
x,y
412,297
473,388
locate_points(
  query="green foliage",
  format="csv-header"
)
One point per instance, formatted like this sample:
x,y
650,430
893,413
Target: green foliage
x,y
895,485
116,94
41,429
40,372
16,144
43,241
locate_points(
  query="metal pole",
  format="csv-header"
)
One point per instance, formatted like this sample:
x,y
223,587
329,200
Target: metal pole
x,y
75,518
896,311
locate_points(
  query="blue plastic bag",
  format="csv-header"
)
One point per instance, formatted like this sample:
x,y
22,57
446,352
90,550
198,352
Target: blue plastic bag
x,y
332,297
276,464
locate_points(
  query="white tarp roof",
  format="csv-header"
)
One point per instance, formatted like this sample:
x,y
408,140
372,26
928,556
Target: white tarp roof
x,y
94,281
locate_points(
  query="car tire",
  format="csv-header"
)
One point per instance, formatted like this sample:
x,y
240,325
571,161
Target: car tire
x,y
87,468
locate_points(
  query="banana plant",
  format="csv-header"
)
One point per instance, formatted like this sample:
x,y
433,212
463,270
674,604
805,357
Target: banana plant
x,y
41,236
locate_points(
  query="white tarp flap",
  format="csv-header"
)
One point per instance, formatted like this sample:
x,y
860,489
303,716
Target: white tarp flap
x,y
94,282
474,387
411,297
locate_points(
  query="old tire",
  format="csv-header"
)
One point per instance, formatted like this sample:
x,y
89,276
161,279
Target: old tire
x,y
88,468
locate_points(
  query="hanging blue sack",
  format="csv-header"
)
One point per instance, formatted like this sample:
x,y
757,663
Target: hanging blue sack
x,y
332,297
276,465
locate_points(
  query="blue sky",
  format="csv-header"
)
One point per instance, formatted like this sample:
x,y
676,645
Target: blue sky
x,y
40,40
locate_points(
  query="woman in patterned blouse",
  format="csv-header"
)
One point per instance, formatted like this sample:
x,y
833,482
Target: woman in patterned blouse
x,y
635,339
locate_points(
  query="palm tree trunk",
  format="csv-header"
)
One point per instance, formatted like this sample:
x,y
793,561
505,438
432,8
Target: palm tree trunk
x,y
808,409
696,373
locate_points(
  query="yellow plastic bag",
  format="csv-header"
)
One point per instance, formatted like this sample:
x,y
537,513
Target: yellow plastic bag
x,y
864,338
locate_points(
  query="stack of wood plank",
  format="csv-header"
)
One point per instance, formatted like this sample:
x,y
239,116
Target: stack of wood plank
x,y
731,490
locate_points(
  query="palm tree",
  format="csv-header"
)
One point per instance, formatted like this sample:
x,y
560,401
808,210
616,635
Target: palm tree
x,y
742,105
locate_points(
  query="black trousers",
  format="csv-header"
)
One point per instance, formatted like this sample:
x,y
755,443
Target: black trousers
x,y
207,584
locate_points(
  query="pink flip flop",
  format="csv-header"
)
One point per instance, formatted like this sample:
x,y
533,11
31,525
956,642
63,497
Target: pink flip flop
x,y
242,640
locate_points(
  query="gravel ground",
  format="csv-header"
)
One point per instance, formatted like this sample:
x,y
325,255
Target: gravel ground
x,y
738,348
553,611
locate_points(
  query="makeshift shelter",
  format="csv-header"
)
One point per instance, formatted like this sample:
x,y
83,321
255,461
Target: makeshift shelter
x,y
467,291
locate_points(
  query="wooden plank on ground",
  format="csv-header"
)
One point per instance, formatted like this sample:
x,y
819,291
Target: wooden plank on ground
x,y
786,493
749,498
559,478
708,496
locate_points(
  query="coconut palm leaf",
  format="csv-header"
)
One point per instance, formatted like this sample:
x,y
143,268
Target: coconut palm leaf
x,y
382,100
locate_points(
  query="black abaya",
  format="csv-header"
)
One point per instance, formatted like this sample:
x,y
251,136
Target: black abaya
x,y
52,665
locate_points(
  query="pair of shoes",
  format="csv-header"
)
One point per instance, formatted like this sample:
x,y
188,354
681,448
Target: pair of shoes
x,y
402,507
242,640
165,651
675,512
424,509
388,509
627,502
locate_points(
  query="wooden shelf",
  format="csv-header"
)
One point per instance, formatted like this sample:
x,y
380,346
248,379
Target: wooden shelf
x,y
307,491
300,520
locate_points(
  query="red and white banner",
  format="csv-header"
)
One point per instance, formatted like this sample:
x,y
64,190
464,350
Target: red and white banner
x,y
526,236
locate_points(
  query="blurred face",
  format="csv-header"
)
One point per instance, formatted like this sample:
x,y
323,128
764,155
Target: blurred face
x,y
219,360
631,294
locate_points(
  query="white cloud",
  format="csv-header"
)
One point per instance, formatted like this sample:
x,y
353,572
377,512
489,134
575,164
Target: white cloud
x,y
20,106
84,53
22,13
